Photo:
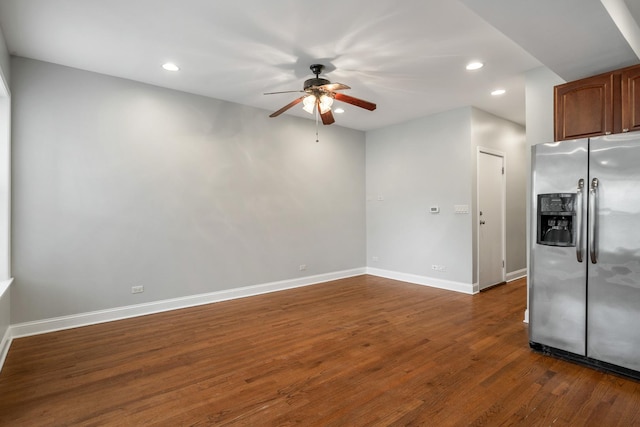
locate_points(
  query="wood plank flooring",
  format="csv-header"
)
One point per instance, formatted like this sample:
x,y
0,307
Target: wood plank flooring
x,y
363,351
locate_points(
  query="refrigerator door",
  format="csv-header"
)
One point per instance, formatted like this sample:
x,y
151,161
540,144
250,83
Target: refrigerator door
x,y
557,300
614,280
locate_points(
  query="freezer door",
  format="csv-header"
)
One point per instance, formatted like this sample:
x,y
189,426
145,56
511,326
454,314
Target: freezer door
x,y
613,327
557,299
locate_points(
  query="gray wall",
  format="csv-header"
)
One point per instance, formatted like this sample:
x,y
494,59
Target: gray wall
x,y
432,161
118,183
414,166
489,131
539,104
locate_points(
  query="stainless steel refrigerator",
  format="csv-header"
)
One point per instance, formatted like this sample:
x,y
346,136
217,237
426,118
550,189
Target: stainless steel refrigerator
x,y
584,301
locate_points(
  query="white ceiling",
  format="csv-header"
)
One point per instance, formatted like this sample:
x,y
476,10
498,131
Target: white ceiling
x,y
407,56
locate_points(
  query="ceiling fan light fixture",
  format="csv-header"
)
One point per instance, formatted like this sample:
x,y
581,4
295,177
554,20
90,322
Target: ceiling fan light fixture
x,y
319,94
309,103
325,103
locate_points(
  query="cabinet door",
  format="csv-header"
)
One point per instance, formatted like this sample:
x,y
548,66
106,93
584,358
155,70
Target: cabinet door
x,y
584,107
631,99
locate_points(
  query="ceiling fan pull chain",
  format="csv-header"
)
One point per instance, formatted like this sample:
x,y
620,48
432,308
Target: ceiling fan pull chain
x,y
317,126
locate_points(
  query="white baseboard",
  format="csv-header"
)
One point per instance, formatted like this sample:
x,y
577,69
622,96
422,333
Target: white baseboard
x,y
5,343
91,318
518,274
526,316
4,346
466,288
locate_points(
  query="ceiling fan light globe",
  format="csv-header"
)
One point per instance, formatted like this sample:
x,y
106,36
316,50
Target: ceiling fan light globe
x,y
309,103
325,103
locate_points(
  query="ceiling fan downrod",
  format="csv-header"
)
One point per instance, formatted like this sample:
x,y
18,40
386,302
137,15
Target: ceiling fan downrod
x,y
316,81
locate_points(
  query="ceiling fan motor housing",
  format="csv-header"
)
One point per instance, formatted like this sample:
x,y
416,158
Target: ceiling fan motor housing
x,y
315,82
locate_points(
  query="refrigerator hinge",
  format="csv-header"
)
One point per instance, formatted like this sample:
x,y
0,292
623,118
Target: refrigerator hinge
x,y
503,170
502,263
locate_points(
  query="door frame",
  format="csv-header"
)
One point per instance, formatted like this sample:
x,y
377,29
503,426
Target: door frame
x,y
503,201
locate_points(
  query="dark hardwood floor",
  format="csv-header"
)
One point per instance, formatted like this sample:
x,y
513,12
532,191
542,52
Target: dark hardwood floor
x,y
353,352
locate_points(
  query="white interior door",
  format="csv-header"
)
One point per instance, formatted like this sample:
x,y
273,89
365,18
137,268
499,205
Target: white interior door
x,y
491,213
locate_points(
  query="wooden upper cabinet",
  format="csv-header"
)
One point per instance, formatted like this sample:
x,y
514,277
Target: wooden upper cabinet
x,y
630,99
585,107
598,105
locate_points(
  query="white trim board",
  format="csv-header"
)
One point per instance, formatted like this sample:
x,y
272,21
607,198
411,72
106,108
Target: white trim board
x,y
4,285
466,288
91,318
4,85
518,274
5,344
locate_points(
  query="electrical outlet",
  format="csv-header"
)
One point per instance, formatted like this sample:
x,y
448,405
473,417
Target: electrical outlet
x,y
442,268
137,289
302,267
434,267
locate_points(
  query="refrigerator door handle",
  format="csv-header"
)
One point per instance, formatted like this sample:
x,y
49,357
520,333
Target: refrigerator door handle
x,y
593,220
579,202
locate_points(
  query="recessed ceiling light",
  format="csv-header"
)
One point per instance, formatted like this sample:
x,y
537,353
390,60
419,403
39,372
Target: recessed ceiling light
x,y
498,92
338,111
170,66
474,66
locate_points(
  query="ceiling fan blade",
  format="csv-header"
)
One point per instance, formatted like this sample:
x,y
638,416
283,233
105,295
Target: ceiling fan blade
x,y
334,86
355,101
286,107
327,118
284,91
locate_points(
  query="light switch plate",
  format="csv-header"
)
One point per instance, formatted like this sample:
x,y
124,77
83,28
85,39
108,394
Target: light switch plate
x,y
461,209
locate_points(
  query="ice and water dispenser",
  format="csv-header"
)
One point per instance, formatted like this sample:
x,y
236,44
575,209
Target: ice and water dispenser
x,y
556,219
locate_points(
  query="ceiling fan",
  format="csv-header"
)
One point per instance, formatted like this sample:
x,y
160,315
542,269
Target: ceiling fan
x,y
318,96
